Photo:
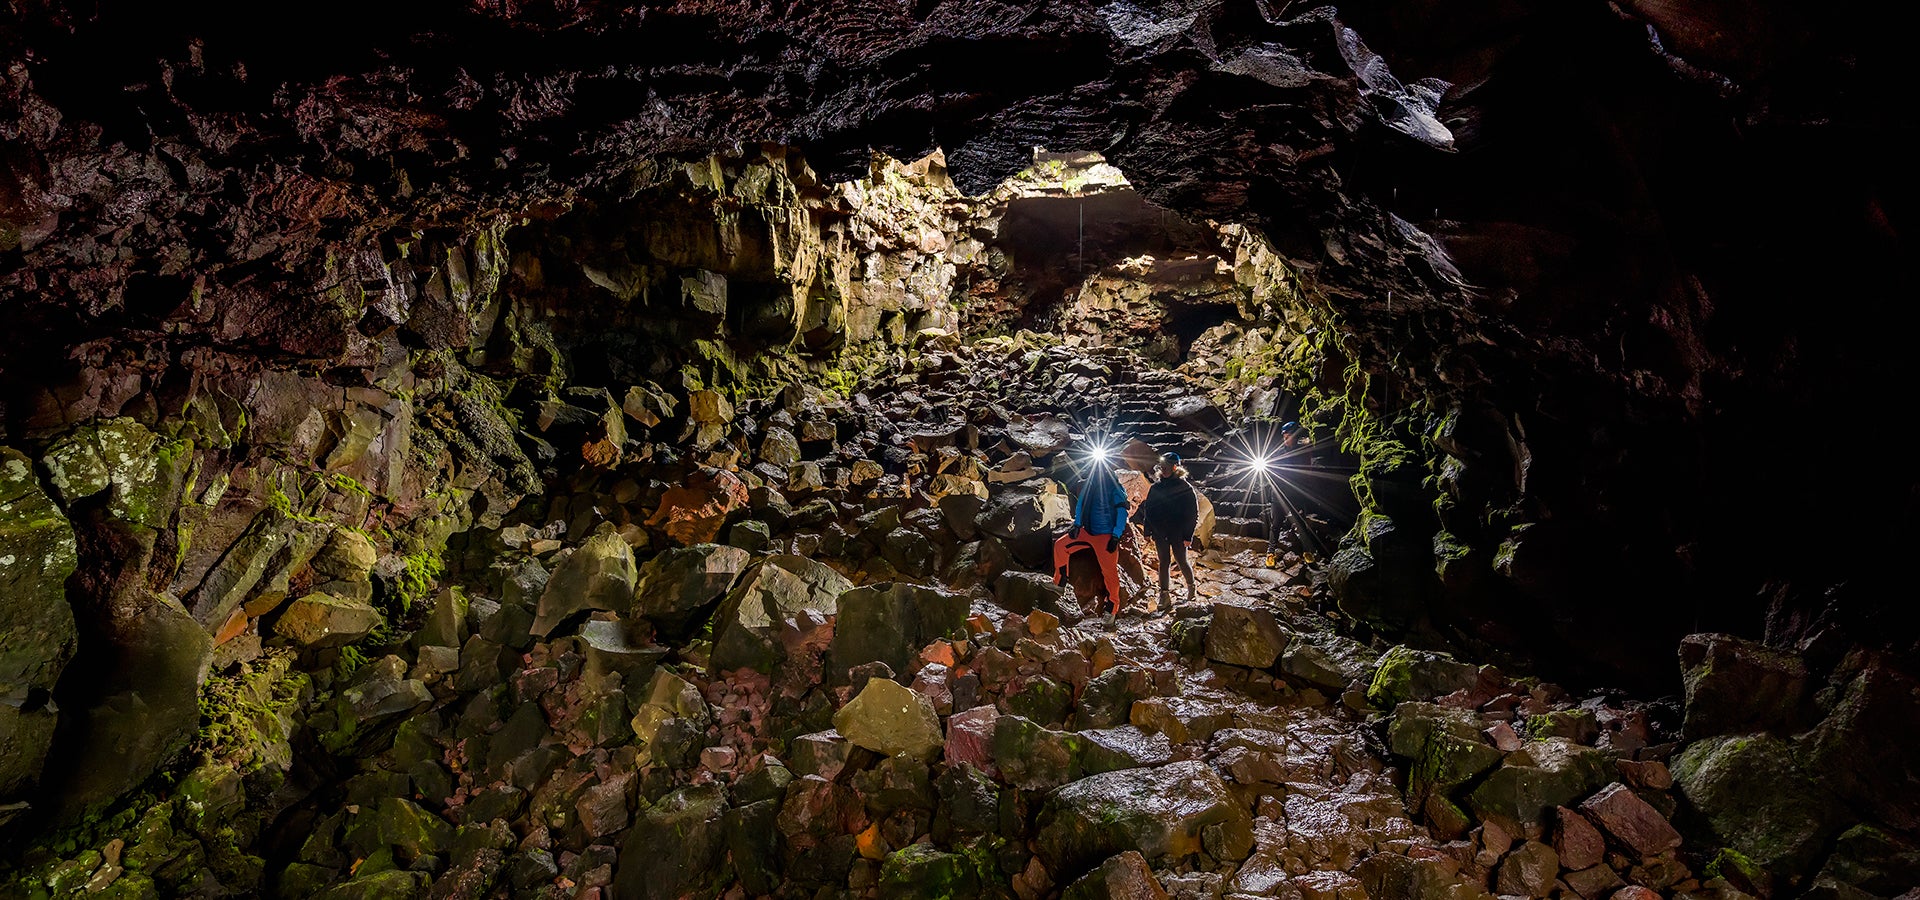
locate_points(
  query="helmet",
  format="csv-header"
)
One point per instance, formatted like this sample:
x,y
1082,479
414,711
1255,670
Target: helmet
x,y
1286,427
1170,458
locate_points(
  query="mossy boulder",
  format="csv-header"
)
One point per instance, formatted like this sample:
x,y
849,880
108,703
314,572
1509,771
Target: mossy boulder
x,y
681,584
746,627
1408,674
317,621
1443,745
891,720
1737,686
1747,792
889,623
600,575
1244,636
1163,813
1537,778
37,632
675,847
925,872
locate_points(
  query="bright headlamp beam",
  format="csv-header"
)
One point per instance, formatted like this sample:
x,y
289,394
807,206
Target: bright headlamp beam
x,y
1100,452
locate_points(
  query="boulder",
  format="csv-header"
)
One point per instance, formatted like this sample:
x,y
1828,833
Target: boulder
x,y
1124,876
1578,843
889,623
1536,778
1749,793
675,847
37,630
677,587
666,698
1024,592
323,620
149,709
924,872
746,627
1032,757
1025,516
1408,674
600,575
1244,636
1161,813
694,512
1444,746
891,720
1636,825
779,447
1735,685
1327,661
1528,871
1862,750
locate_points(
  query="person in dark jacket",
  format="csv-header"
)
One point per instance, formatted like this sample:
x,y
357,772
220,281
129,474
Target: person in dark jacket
x,y
1169,516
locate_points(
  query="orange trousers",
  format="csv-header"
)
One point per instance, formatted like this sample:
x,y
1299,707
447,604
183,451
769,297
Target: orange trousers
x,y
1109,560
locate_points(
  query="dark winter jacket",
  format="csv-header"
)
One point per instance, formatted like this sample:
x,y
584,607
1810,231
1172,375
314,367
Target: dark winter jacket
x,y
1171,511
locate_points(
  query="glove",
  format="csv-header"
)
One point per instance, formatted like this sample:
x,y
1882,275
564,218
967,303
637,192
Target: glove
x,y
1113,544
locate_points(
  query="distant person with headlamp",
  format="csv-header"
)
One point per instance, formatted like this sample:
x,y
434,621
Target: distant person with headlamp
x,y
1169,515
1099,524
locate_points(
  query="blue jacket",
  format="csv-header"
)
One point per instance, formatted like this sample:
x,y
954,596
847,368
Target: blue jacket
x,y
1103,504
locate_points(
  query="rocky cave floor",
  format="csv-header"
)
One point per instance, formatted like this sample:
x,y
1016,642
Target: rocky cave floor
x,y
810,649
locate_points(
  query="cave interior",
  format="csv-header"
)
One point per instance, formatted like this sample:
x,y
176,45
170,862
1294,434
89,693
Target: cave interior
x,y
566,450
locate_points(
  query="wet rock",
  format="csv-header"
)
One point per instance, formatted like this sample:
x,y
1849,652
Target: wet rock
x,y
1032,757
696,511
1180,719
970,735
344,566
150,710
1860,751
1125,747
1244,636
675,588
1408,674
889,623
1444,746
1161,813
746,627
392,884
779,447
1109,696
753,845
891,720
1594,882
1024,592
1025,516
1327,661
399,827
600,575
1873,860
37,631
1124,876
676,846
1528,871
1636,825
753,536
1536,778
924,872
1578,843
1749,793
824,754
1738,686
323,620
666,698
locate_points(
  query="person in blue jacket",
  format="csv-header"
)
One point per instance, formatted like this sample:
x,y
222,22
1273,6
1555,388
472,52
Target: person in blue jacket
x,y
1099,524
